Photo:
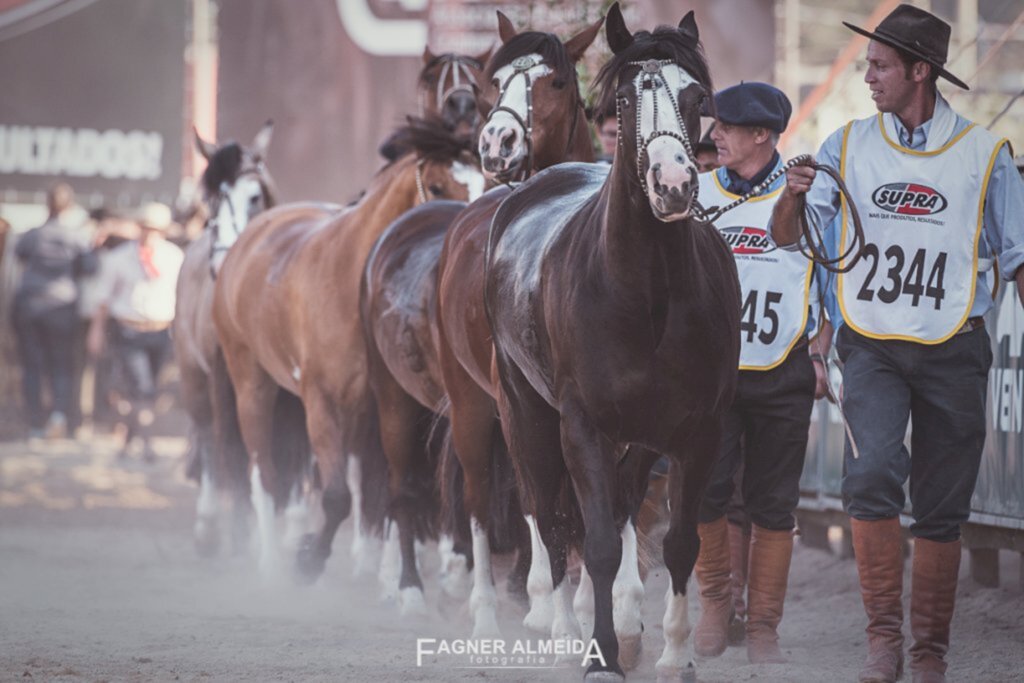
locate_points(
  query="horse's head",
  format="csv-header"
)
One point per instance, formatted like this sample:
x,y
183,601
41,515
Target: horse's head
x,y
236,186
447,89
445,166
538,99
659,81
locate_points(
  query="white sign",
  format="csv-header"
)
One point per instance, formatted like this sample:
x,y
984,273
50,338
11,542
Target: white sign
x,y
81,152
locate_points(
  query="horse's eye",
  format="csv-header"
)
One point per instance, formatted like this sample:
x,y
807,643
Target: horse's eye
x,y
495,82
436,190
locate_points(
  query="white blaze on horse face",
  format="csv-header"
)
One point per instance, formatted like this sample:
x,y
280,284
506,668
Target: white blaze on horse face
x,y
503,140
670,173
238,204
469,177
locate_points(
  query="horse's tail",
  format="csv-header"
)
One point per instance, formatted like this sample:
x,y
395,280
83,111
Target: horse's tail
x,y
373,468
232,458
453,519
292,452
507,523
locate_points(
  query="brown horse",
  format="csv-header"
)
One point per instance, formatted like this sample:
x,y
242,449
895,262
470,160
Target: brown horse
x,y
615,317
286,311
236,185
399,302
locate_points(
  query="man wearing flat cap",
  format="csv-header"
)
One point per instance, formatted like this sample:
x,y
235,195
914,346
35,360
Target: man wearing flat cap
x,y
939,199
767,425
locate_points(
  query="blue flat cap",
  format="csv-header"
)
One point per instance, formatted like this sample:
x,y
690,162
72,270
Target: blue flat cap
x,y
754,104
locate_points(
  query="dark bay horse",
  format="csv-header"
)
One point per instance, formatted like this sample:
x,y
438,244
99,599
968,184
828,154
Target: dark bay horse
x,y
235,186
615,321
399,303
286,311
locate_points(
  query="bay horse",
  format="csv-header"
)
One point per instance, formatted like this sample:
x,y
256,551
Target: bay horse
x,y
615,317
286,312
400,308
236,185
446,88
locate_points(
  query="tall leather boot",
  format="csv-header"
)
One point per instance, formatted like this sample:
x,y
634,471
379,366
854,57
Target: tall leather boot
x,y
770,555
932,598
739,557
712,570
878,546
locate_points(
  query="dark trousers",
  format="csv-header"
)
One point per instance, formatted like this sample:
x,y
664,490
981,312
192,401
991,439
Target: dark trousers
x,y
45,349
766,431
141,356
941,390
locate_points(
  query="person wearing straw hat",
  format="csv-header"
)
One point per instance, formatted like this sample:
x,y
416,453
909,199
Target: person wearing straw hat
x,y
136,292
939,199
766,427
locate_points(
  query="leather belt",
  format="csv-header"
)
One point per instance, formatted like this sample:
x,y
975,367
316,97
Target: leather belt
x,y
145,325
971,324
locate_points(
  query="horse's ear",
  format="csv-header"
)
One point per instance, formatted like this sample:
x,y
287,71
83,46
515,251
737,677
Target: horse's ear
x,y
506,31
579,43
485,57
688,25
261,142
619,37
205,148
428,56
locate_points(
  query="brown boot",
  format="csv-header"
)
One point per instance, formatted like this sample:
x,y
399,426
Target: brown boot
x,y
770,554
712,570
932,597
739,556
878,546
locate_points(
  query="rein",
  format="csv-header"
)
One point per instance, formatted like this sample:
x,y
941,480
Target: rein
x,y
812,244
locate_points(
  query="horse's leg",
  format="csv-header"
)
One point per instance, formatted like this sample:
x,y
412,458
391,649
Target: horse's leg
x,y
196,399
689,469
365,549
590,459
326,437
400,427
472,424
230,461
256,393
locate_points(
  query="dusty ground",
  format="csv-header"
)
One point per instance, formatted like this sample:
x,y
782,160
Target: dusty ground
x,y
99,581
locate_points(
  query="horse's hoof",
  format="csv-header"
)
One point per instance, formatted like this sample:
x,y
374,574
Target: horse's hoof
x,y
539,618
309,561
515,588
686,674
411,602
630,650
207,539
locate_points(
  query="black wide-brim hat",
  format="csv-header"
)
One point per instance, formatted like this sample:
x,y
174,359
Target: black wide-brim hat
x,y
918,33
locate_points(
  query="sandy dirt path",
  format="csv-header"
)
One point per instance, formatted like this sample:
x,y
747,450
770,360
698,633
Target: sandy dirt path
x,y
99,581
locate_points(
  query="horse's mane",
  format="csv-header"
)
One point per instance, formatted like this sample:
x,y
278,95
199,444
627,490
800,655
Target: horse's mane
x,y
431,140
223,168
547,45
665,42
425,71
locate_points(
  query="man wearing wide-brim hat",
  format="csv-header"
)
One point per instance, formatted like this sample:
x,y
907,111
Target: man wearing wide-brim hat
x,y
939,200
136,290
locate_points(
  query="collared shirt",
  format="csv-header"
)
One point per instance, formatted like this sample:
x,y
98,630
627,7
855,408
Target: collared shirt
x,y
129,293
733,182
1002,219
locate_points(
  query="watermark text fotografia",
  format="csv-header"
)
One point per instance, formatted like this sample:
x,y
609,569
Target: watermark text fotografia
x,y
498,653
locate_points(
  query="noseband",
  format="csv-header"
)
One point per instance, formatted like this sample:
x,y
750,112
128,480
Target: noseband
x,y
459,67
653,79
224,195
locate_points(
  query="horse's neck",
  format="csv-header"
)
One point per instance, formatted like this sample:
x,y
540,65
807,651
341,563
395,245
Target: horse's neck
x,y
630,234
392,194
578,148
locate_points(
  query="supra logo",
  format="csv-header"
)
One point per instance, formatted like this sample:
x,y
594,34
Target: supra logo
x,y
747,240
909,199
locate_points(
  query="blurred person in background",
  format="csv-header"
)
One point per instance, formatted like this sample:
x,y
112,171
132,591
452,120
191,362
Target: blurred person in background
x,y
707,152
54,256
136,294
606,129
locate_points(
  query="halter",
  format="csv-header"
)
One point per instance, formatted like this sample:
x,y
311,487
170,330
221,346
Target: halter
x,y
459,67
521,67
223,195
652,79
419,180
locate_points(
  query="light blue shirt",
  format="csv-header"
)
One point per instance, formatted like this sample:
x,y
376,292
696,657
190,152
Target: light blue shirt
x,y
820,278
1002,219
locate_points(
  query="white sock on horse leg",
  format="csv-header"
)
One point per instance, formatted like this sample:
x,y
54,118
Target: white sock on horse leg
x,y
263,505
676,658
483,600
628,600
583,604
538,584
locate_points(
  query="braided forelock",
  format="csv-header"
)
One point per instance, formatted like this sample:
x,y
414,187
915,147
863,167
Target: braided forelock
x,y
665,42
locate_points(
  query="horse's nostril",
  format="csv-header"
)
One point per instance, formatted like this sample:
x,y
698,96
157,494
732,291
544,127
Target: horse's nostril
x,y
508,139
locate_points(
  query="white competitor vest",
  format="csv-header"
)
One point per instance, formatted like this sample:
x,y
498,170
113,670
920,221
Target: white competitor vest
x,y
922,218
775,284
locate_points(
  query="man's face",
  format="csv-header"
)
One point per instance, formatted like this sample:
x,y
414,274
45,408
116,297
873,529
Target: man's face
x,y
887,78
735,144
607,133
707,160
